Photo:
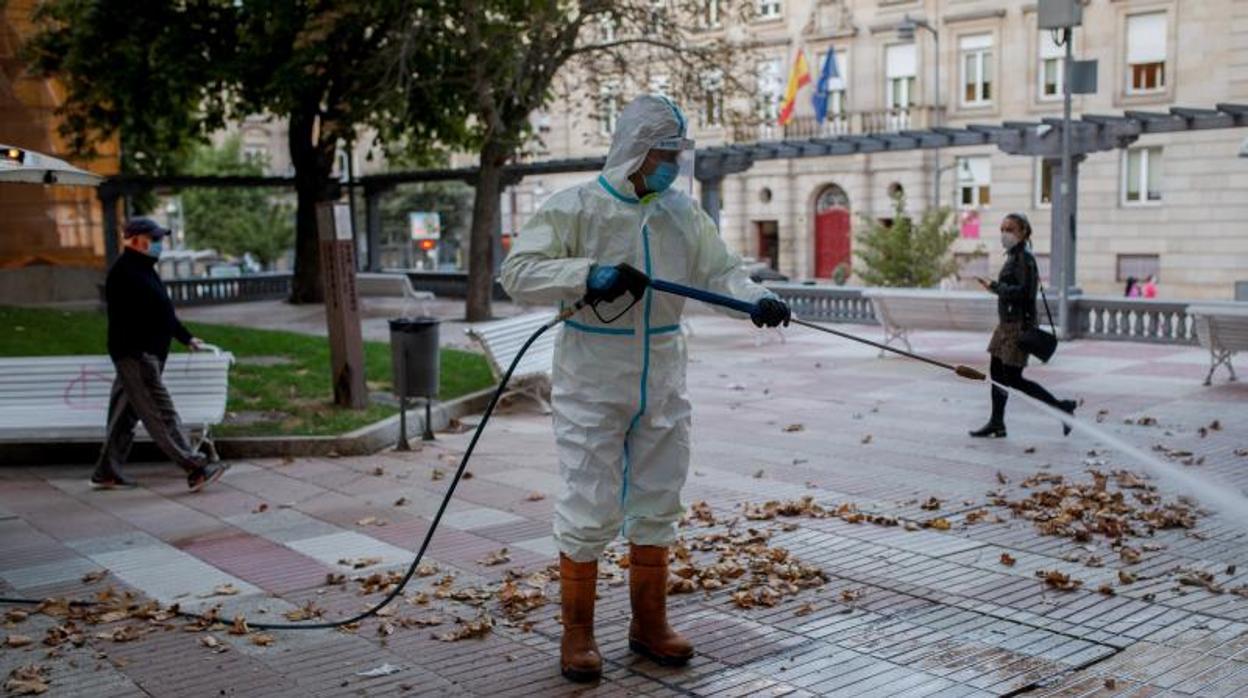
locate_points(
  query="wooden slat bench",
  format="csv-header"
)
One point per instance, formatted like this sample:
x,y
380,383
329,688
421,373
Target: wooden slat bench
x,y
65,398
1223,330
501,340
903,310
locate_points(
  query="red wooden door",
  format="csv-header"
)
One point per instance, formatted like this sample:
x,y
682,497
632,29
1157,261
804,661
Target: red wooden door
x,y
831,241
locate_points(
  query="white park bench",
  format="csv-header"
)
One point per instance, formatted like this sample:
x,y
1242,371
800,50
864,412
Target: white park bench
x,y
502,339
65,398
383,285
1223,331
902,310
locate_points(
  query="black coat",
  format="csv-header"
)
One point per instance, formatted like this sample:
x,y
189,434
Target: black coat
x,y
1016,287
141,319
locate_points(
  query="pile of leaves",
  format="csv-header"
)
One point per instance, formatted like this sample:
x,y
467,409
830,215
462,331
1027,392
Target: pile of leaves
x,y
1081,511
759,573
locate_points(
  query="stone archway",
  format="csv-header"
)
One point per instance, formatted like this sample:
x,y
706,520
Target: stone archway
x,y
832,231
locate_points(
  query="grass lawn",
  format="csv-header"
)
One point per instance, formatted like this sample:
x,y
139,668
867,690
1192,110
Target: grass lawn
x,y
281,382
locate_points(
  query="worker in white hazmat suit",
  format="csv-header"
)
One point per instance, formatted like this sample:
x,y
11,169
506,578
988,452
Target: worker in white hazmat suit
x,y
621,413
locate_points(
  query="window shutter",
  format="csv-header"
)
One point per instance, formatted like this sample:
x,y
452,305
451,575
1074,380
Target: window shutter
x,y
901,61
1146,38
976,42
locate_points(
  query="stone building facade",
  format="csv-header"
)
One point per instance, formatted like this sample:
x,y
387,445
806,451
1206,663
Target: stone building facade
x,y
43,225
1173,205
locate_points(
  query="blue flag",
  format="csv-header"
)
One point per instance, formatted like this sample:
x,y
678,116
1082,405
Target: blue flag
x,y
820,98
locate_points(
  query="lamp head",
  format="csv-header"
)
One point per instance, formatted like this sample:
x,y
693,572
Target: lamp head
x,y
906,28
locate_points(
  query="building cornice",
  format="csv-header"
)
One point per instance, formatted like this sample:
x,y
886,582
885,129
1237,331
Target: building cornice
x,y
973,16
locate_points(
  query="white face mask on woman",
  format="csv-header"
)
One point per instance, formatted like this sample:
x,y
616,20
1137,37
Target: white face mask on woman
x,y
1009,240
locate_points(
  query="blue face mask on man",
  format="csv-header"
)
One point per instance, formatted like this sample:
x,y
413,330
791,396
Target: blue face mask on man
x,y
665,173
154,248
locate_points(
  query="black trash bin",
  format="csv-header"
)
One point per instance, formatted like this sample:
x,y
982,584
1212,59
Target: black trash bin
x,y
416,366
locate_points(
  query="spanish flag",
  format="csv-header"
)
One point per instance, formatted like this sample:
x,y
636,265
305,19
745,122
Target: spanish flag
x,y
799,77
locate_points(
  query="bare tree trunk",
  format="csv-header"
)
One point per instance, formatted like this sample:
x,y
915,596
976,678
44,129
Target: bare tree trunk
x,y
313,166
484,228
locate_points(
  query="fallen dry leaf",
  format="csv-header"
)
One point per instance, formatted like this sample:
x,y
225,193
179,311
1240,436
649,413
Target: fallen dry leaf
x,y
28,680
805,609
1059,580
112,617
939,524
852,595
1106,589
239,626
93,577
795,427
15,616
932,504
426,569
212,643
371,521
17,641
495,558
478,627
1007,560
260,508
308,611
379,471
221,590
400,501
335,579
534,497
758,474
1001,478
467,474
262,640
126,633
866,439
1125,577
438,474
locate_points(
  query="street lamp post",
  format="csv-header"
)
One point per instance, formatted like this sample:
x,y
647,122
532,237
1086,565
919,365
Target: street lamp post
x,y
905,32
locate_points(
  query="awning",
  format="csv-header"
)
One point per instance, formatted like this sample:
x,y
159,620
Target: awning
x,y
21,165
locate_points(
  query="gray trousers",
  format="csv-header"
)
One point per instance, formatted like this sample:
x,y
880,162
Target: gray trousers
x,y
139,394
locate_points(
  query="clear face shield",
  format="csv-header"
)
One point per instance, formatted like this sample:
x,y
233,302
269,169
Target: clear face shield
x,y
671,158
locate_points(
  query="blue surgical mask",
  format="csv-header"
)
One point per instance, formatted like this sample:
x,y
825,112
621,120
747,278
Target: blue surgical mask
x,y
154,248
665,173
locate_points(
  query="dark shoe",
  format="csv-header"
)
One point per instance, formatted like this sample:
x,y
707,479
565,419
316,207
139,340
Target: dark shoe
x,y
989,431
110,480
579,659
649,633
204,475
1067,406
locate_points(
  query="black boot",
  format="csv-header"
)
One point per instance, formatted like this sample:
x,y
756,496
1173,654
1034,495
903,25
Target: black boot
x,y
991,430
1067,406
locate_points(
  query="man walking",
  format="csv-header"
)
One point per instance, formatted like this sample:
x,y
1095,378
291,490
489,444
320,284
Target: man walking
x,y
141,324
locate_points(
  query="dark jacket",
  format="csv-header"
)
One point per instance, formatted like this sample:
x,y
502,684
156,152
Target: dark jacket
x,y
1016,287
140,315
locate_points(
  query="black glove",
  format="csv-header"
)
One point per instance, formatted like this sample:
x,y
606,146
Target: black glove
x,y
770,312
608,283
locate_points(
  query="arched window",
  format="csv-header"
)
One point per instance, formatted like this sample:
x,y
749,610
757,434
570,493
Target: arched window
x,y
832,196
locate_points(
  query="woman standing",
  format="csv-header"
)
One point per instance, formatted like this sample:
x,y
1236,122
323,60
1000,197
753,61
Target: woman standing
x,y
1015,288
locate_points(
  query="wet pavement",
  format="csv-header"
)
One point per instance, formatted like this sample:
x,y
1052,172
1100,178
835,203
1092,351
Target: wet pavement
x,y
918,600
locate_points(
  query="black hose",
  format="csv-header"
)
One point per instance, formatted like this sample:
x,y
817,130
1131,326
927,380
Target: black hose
x,y
433,526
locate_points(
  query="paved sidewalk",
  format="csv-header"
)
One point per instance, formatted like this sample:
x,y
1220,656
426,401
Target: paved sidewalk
x,y
932,611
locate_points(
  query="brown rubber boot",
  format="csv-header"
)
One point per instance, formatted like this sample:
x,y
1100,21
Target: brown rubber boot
x,y
579,659
649,634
